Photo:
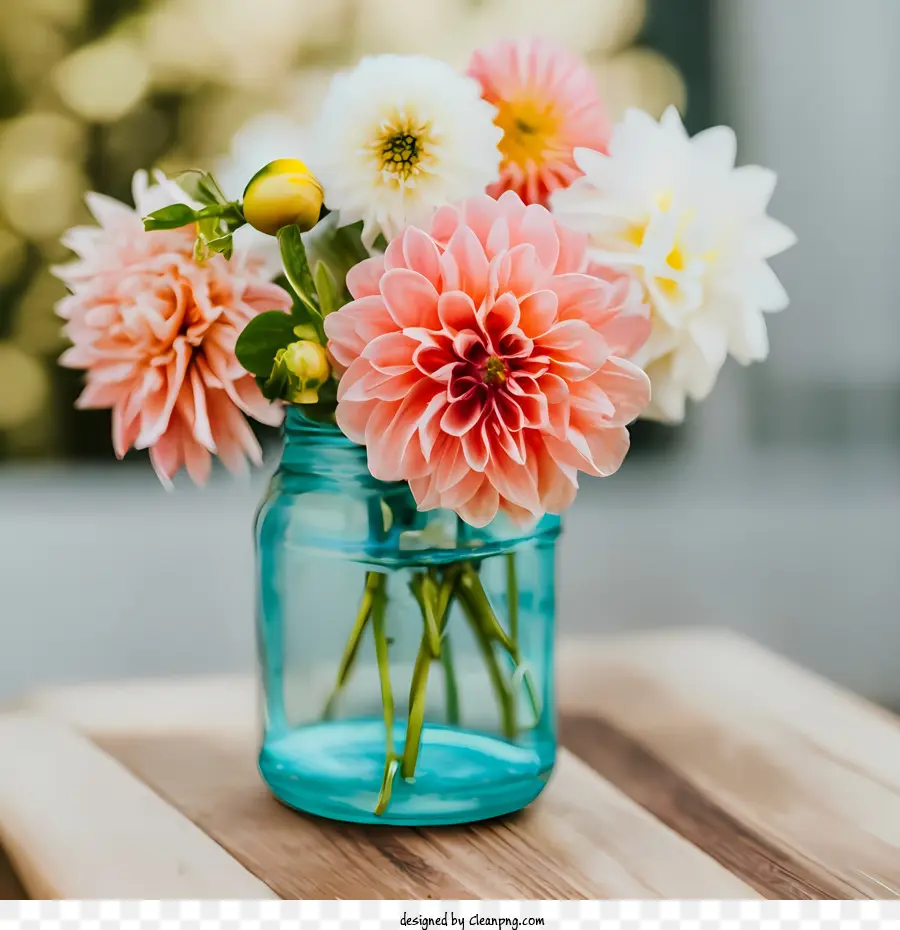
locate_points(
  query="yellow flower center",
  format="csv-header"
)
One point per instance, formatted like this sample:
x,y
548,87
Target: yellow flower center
x,y
677,259
494,371
529,127
402,149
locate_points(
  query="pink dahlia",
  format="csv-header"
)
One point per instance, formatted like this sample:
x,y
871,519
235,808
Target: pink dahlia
x,y
484,366
547,105
155,332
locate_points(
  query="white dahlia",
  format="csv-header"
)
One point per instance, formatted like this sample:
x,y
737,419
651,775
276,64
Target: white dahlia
x,y
398,137
675,212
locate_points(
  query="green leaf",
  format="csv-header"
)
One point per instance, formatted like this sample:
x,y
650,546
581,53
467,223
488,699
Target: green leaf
x,y
171,217
224,245
209,227
326,288
200,186
308,323
261,338
339,247
215,209
296,266
275,386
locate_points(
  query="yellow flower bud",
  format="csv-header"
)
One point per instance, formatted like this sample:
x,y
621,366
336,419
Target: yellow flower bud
x,y
307,366
283,193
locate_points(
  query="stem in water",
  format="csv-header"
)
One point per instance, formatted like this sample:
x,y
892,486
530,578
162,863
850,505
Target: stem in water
x,y
374,582
391,761
472,607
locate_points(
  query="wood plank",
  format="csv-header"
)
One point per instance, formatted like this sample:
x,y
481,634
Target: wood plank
x,y
220,704
581,839
76,824
779,775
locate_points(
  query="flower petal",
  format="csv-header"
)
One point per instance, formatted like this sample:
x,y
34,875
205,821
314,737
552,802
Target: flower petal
x,y
411,299
363,279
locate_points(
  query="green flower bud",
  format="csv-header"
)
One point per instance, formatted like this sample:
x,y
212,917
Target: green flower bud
x,y
307,368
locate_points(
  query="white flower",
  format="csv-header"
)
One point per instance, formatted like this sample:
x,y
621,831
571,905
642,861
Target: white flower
x,y
262,139
399,136
676,213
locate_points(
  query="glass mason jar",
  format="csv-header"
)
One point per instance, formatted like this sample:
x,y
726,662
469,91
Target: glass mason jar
x,y
406,658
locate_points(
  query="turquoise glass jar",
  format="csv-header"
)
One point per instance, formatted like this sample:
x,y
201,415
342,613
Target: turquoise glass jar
x,y
406,658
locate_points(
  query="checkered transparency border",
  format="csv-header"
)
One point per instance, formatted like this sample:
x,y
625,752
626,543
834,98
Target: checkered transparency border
x,y
421,915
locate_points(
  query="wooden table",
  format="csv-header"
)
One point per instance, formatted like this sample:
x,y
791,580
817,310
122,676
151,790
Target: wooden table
x,y
697,765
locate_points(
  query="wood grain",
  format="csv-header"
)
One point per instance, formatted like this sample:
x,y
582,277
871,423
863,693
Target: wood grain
x,y
76,824
583,839
781,776
707,767
680,805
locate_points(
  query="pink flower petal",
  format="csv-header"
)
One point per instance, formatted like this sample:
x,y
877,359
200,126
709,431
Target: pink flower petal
x,y
538,312
539,74
464,414
481,373
411,299
476,449
156,333
386,448
575,350
391,353
482,507
363,279
539,229
456,312
626,386
421,253
471,262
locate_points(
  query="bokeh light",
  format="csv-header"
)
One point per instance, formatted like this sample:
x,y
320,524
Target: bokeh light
x,y
103,81
40,195
24,386
91,90
12,256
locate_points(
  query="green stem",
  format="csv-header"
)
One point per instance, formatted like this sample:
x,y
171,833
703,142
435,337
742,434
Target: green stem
x,y
472,607
434,601
471,584
512,598
451,688
510,643
298,274
429,605
384,670
445,596
391,765
379,603
374,582
446,592
417,690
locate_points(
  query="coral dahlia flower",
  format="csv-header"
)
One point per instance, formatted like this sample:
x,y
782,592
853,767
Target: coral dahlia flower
x,y
484,366
547,104
155,332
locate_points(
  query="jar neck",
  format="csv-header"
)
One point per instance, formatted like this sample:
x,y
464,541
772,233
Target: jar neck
x,y
321,449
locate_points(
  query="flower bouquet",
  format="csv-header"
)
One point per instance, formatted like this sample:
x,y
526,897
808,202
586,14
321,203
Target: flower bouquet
x,y
480,281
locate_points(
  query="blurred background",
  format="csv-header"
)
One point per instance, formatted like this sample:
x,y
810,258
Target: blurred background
x,y
775,510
